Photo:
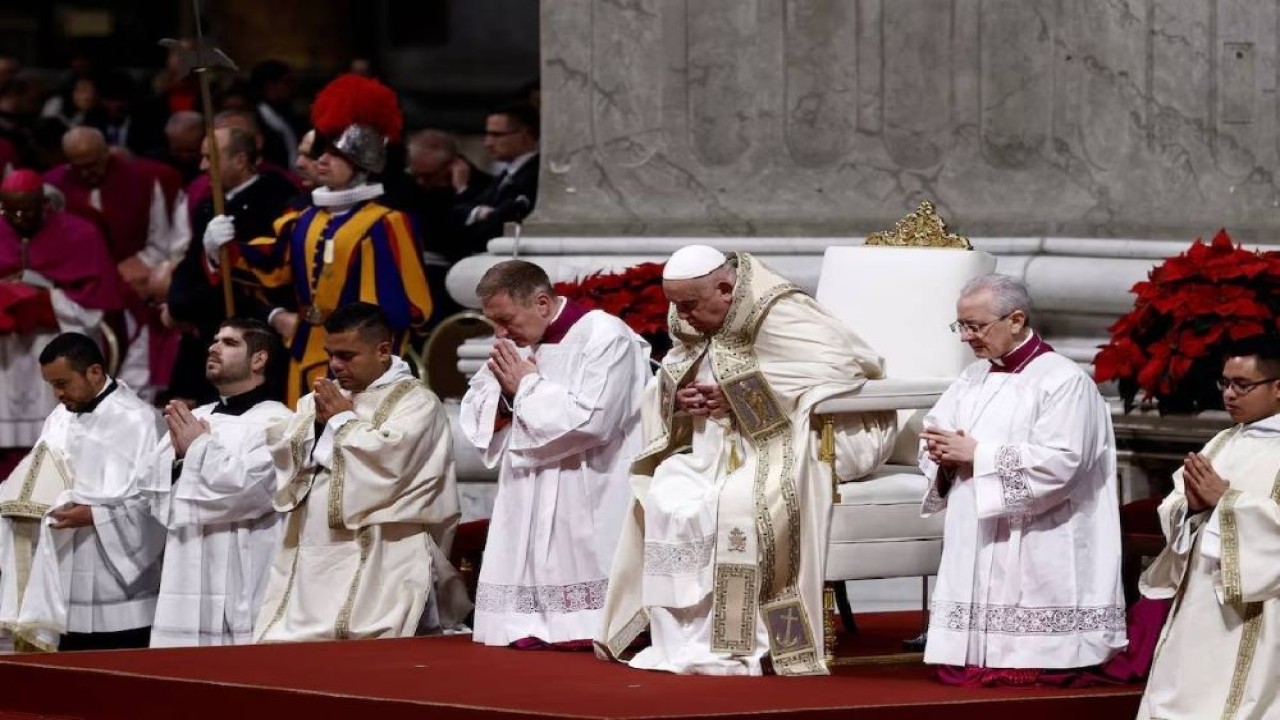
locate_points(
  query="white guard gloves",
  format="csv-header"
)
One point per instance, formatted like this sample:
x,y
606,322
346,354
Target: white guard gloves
x,y
220,231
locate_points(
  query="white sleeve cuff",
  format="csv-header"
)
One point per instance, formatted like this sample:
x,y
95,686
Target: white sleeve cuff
x,y
323,454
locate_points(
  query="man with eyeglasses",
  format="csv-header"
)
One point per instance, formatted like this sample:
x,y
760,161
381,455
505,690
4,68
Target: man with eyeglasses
x,y
1221,643
1020,452
511,139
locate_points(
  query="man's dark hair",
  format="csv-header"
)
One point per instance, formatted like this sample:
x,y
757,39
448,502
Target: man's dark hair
x,y
523,115
367,318
518,278
258,336
1266,348
80,351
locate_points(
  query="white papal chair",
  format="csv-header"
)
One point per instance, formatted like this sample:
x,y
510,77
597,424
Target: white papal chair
x,y
898,293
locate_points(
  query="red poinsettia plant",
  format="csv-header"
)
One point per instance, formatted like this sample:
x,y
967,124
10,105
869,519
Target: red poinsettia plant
x,y
1170,345
634,295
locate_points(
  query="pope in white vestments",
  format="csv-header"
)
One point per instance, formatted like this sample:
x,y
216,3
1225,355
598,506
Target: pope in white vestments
x,y
1021,454
210,482
1219,654
364,470
79,553
722,554
562,416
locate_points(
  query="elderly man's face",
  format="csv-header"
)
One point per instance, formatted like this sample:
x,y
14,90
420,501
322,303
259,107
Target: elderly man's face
x,y
703,303
89,163
185,144
429,166
984,329
23,210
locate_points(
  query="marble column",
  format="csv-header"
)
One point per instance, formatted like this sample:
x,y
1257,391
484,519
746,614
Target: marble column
x,y
1080,119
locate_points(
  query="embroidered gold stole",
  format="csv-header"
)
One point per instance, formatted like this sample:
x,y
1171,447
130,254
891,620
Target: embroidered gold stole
x,y
758,537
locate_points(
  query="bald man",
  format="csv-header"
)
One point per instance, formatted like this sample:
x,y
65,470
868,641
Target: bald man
x,y
122,190
128,197
184,132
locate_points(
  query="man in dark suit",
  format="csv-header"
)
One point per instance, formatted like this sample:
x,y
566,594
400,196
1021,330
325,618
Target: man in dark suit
x,y
253,201
511,139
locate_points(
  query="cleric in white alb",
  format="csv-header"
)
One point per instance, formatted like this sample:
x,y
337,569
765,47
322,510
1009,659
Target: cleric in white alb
x,y
210,483
722,553
364,471
558,405
1021,454
1219,654
79,553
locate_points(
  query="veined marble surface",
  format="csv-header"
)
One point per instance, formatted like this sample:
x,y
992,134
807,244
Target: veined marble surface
x,y
1090,118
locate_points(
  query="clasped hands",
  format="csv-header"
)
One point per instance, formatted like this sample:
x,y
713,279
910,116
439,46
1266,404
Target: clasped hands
x,y
702,400
1202,485
508,367
329,400
951,449
184,427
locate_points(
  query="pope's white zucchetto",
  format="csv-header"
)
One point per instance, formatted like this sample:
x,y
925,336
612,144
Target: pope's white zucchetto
x,y
693,261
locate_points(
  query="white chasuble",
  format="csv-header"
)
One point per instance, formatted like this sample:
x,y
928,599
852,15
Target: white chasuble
x,y
99,578
722,554
372,506
222,529
1219,653
1030,574
563,484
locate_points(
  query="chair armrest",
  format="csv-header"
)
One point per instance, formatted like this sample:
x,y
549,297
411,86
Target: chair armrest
x,y
886,394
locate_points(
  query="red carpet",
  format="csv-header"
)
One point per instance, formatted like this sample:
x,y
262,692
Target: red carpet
x,y
455,678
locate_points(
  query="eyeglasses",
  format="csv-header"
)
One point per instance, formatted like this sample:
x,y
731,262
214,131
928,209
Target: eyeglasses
x,y
1240,387
971,328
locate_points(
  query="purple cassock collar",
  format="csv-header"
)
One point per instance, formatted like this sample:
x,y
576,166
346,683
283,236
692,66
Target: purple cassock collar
x,y
1018,358
569,316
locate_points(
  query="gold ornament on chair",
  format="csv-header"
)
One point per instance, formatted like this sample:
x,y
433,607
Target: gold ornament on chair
x,y
922,228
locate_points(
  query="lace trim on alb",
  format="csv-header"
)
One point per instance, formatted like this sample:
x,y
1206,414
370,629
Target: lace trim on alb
x,y
541,598
677,558
1013,478
1011,620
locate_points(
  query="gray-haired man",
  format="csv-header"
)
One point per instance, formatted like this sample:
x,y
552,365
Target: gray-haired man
x,y
1021,453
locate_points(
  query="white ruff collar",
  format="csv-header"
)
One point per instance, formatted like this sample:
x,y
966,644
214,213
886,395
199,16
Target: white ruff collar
x,y
326,198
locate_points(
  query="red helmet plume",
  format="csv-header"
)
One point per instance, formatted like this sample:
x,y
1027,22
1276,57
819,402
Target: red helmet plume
x,y
356,100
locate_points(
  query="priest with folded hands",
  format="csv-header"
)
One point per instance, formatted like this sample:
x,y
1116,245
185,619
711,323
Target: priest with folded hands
x,y
557,408
1021,454
364,473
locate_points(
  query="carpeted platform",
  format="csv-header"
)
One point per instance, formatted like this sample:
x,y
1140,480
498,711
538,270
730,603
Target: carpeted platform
x,y
455,678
